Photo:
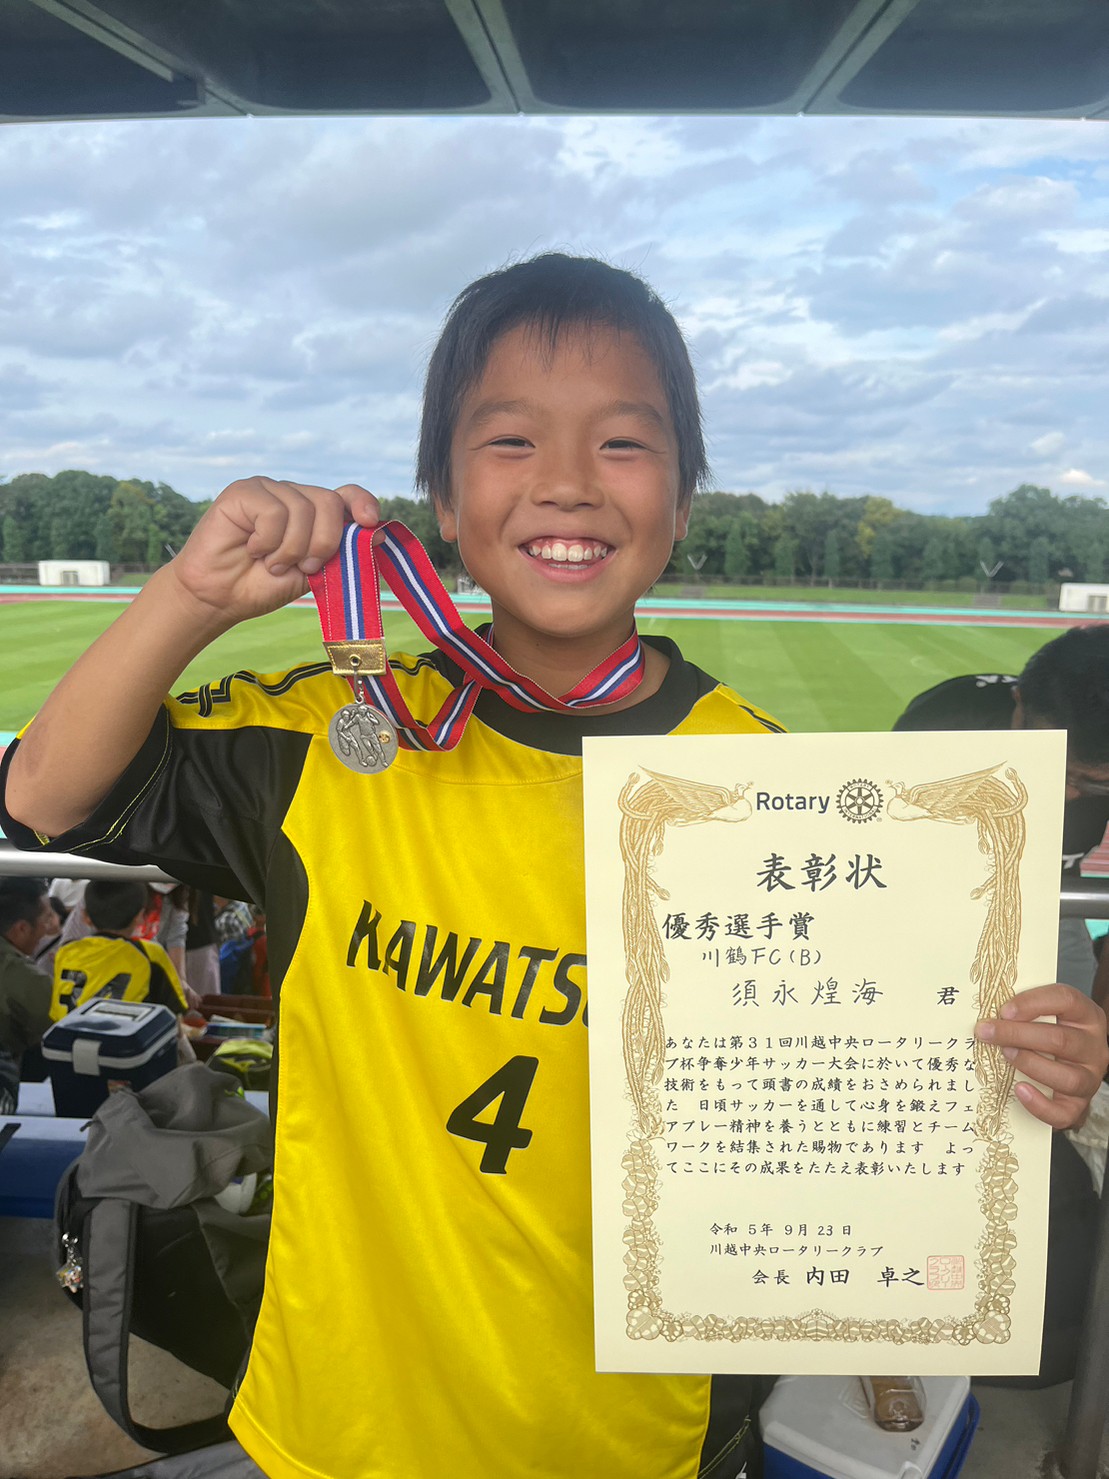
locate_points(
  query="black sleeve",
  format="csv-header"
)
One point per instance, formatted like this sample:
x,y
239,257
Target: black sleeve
x,y
203,804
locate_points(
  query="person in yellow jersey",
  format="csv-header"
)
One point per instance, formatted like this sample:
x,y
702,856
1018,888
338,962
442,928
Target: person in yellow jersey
x,y
428,1296
111,961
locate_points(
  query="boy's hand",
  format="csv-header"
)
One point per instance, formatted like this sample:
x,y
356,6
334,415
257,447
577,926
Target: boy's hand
x,y
1068,1056
250,553
253,550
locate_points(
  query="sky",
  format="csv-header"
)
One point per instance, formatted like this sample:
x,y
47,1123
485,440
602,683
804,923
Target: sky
x,y
915,309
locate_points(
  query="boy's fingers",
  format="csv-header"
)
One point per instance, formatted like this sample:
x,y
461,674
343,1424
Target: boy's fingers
x,y
1061,1113
299,504
317,517
1068,1057
292,524
295,526
361,504
1056,1000
1071,1079
268,529
1059,1039
1041,1043
327,529
333,507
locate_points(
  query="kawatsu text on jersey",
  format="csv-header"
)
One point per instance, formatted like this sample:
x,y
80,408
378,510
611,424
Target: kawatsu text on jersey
x,y
790,801
510,980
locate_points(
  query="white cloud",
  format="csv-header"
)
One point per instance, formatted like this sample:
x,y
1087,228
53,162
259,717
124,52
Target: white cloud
x,y
639,148
1027,199
907,307
1075,477
984,145
1092,241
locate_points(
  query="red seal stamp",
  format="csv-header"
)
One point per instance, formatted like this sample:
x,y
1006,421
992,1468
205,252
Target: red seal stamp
x,y
946,1271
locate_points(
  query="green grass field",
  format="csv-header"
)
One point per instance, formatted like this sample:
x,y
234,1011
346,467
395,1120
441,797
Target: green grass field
x,y
810,675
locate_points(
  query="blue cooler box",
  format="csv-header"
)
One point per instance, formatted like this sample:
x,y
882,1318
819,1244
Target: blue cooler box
x,y
104,1044
818,1427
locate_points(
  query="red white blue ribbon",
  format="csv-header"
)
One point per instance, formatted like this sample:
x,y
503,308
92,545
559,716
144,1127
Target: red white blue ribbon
x,y
347,593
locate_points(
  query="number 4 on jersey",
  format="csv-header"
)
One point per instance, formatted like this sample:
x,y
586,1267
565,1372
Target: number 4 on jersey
x,y
511,1084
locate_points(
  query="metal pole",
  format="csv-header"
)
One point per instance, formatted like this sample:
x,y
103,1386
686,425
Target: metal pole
x,y
1089,1400
1084,898
16,864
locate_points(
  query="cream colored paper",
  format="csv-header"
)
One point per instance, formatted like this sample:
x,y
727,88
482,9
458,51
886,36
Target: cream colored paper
x,y
749,1079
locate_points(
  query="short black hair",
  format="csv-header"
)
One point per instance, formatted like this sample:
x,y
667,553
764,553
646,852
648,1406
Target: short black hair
x,y
1065,685
21,900
551,293
112,904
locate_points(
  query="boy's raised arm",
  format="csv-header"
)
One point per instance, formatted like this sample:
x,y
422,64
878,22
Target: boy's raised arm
x,y
251,553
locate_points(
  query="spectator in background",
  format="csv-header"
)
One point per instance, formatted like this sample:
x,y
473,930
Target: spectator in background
x,y
66,894
113,961
27,918
165,920
243,948
234,919
1065,685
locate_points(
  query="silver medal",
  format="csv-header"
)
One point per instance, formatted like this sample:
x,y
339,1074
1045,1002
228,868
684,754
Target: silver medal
x,y
363,739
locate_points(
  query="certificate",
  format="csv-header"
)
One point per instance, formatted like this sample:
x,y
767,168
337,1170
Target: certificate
x,y
803,1161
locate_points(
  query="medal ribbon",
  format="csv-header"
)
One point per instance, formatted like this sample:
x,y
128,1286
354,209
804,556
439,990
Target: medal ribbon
x,y
348,596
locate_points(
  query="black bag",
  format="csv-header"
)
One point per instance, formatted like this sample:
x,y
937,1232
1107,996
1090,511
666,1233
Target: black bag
x,y
148,1250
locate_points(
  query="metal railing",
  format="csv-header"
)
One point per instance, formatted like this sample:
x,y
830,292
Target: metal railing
x,y
1079,898
16,864
1084,898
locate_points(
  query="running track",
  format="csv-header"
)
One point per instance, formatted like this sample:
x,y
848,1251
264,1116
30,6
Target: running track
x,y
708,610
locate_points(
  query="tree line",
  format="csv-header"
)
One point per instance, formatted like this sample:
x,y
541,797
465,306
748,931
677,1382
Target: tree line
x,y
1029,535
85,516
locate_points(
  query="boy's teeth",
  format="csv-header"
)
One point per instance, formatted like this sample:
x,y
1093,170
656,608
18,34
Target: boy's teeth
x,y
567,554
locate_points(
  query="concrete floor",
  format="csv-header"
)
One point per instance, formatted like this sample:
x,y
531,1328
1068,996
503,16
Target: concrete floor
x,y
1018,1433
53,1427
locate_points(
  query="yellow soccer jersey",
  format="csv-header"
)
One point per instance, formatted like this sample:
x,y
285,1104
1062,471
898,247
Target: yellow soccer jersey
x,y
428,1304
113,965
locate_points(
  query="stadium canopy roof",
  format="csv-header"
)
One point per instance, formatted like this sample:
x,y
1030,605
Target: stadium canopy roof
x,y
173,58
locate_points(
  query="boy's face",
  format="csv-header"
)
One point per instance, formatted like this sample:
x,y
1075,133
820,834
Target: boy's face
x,y
565,497
26,935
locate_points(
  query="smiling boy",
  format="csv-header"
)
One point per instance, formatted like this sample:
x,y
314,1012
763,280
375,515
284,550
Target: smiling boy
x,y
428,1296
565,497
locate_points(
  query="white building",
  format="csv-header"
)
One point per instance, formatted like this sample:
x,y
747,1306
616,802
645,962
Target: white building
x,y
1090,600
74,572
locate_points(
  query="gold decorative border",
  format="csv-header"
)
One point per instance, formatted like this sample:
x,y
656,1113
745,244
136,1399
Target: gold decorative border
x,y
996,808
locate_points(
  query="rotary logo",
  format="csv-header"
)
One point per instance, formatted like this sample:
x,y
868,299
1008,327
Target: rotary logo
x,y
859,801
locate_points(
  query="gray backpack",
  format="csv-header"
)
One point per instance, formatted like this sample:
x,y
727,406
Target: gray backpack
x,y
148,1250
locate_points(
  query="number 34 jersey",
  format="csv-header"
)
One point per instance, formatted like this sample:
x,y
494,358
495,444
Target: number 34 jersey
x,y
428,1304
